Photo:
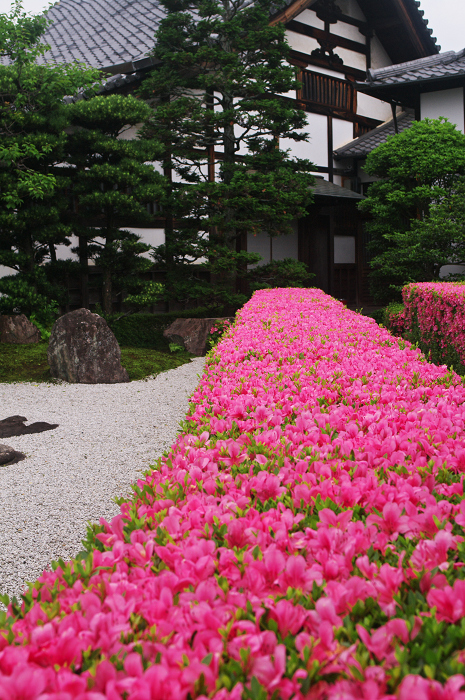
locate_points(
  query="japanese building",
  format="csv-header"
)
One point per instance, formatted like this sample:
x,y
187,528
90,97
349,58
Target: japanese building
x,y
334,44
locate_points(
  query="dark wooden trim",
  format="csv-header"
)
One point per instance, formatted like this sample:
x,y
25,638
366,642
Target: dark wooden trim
x,y
292,11
307,60
318,34
407,21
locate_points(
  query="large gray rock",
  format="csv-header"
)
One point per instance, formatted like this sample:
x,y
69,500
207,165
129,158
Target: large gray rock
x,y
18,330
192,333
83,350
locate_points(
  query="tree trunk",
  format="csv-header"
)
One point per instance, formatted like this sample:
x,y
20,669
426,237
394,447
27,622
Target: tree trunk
x,y
107,291
84,272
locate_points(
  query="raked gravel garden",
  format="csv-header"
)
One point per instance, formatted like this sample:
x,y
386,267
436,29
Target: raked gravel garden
x,y
303,538
107,435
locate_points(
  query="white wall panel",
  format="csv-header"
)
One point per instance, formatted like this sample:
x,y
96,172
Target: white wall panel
x,y
447,270
368,106
259,244
325,71
343,132
309,17
316,148
279,247
299,42
351,8
348,31
444,103
151,236
352,58
379,57
5,271
286,246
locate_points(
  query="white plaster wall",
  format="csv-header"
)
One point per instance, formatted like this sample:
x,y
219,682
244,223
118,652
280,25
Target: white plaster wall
x,y
326,71
299,42
444,103
151,236
353,9
309,17
281,246
5,271
130,132
343,132
316,148
447,270
368,106
259,244
379,57
63,252
352,58
348,31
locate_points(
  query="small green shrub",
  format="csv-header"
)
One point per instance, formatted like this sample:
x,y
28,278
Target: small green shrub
x,y
146,330
280,273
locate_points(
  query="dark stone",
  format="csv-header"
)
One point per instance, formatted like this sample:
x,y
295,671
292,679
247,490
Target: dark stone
x,y
83,350
14,425
192,333
8,455
18,330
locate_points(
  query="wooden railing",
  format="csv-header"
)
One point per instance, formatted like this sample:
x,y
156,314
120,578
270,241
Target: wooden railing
x,y
330,92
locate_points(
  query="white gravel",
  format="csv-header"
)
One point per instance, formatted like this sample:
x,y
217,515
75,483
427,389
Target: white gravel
x,y
107,435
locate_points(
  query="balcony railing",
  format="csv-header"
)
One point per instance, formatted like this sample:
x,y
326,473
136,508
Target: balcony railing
x,y
327,91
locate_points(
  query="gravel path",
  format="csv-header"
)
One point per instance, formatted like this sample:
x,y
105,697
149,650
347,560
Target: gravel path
x,y
107,435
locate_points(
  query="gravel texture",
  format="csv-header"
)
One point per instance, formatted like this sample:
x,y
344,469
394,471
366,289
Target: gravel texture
x,y
107,435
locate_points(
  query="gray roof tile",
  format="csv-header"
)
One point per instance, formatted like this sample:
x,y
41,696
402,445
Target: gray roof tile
x,y
323,188
101,33
361,147
449,63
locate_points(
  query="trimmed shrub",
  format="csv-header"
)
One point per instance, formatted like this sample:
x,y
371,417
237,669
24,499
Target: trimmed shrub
x,y
303,538
146,330
435,320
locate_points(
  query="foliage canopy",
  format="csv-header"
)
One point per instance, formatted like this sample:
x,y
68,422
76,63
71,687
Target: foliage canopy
x,y
417,206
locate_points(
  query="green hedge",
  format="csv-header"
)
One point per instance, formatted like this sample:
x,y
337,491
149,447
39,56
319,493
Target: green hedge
x,y
146,330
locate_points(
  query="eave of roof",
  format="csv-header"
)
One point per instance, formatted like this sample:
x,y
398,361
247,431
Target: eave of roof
x,y
363,145
324,188
421,73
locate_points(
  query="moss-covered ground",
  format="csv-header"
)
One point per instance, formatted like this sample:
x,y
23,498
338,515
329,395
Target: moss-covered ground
x,y
28,363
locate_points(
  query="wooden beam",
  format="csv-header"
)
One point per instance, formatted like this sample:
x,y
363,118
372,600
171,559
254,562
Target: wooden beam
x,y
292,11
407,20
304,29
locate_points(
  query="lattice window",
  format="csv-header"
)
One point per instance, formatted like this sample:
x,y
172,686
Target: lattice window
x,y
325,90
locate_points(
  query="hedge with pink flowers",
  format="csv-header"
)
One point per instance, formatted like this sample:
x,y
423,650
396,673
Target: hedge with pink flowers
x,y
303,538
434,317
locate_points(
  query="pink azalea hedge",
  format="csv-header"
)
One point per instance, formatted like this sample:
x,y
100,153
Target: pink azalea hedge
x,y
434,314
302,539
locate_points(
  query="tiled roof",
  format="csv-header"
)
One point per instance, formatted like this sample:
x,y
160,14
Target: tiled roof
x,y
323,188
101,33
361,147
443,65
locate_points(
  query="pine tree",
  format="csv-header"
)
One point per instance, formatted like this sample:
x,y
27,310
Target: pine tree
x,y
112,182
220,118
33,117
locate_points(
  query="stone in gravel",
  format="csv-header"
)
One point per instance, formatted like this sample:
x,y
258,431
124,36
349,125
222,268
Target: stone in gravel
x,y
192,333
8,455
18,330
83,350
14,425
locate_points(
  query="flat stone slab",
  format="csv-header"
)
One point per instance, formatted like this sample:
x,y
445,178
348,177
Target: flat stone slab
x,y
192,333
8,455
14,425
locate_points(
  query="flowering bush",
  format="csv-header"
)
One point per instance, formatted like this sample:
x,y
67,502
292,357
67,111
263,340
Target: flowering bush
x,y
435,319
217,331
302,539
395,318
